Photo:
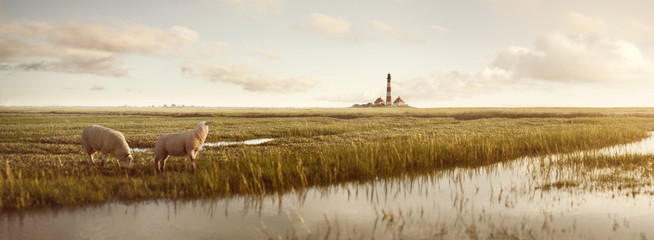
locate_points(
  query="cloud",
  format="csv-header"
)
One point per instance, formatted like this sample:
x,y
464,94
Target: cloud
x,y
515,5
74,47
250,76
11,49
34,66
557,58
138,39
5,67
582,52
576,58
440,29
142,39
187,69
644,33
446,85
358,97
256,50
582,24
256,7
210,49
333,27
251,8
398,35
96,88
97,65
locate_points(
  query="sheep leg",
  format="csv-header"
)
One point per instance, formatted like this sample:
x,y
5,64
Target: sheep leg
x,y
192,157
104,159
193,164
91,162
163,163
160,163
156,162
156,165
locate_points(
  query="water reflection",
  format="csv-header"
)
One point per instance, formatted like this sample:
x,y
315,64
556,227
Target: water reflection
x,y
246,142
140,149
218,144
502,200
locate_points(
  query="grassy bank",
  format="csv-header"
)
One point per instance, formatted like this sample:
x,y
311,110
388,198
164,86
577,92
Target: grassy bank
x,y
42,163
629,174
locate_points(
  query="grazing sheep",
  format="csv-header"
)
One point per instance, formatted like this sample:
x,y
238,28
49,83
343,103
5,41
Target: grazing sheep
x,y
180,144
96,138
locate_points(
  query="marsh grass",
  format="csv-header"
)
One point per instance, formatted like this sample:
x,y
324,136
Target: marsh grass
x,y
626,173
338,113
42,163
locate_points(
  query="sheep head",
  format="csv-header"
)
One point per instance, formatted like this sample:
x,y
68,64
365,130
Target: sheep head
x,y
204,123
126,160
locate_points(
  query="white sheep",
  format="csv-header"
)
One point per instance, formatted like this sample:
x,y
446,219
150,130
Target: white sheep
x,y
96,138
180,144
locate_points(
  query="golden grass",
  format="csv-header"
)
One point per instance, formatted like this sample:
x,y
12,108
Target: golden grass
x,y
42,163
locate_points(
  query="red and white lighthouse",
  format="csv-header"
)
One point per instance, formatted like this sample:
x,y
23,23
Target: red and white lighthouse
x,y
389,100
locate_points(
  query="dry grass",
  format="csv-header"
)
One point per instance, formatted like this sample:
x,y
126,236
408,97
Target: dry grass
x,y
42,163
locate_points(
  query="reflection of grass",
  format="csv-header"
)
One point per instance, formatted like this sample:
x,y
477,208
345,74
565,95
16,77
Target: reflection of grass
x,y
629,172
42,163
559,185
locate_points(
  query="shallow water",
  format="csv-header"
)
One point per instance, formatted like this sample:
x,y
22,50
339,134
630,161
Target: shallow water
x,y
218,144
140,149
246,142
501,199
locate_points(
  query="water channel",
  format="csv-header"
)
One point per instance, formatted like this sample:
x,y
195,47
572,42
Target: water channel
x,y
218,144
499,200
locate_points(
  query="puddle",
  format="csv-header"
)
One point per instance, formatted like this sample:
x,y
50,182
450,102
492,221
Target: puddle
x,y
246,142
500,199
217,144
141,149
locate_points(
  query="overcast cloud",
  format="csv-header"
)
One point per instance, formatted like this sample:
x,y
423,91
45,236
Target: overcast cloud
x,y
250,76
74,47
395,33
581,52
326,53
336,28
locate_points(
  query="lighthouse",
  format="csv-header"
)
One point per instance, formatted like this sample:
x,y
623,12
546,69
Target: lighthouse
x,y
388,90
399,102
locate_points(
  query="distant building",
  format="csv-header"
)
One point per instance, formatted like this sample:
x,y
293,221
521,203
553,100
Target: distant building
x,y
379,101
399,102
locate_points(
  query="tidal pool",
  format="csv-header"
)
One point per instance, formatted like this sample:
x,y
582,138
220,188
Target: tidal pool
x,y
246,142
217,144
497,201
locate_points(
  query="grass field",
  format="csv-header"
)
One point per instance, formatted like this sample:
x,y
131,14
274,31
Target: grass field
x,y
42,163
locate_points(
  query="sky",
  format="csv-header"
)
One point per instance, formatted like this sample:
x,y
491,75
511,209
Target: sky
x,y
312,53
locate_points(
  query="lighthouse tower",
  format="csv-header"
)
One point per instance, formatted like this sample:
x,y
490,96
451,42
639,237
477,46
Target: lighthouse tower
x,y
389,100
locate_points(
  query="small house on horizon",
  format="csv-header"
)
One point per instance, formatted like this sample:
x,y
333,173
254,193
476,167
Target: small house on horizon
x,y
379,101
399,102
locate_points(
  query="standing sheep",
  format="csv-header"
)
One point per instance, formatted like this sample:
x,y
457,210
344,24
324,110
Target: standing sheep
x,y
180,144
96,138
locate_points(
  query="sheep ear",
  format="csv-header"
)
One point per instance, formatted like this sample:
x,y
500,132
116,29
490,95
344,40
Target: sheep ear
x,y
207,123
